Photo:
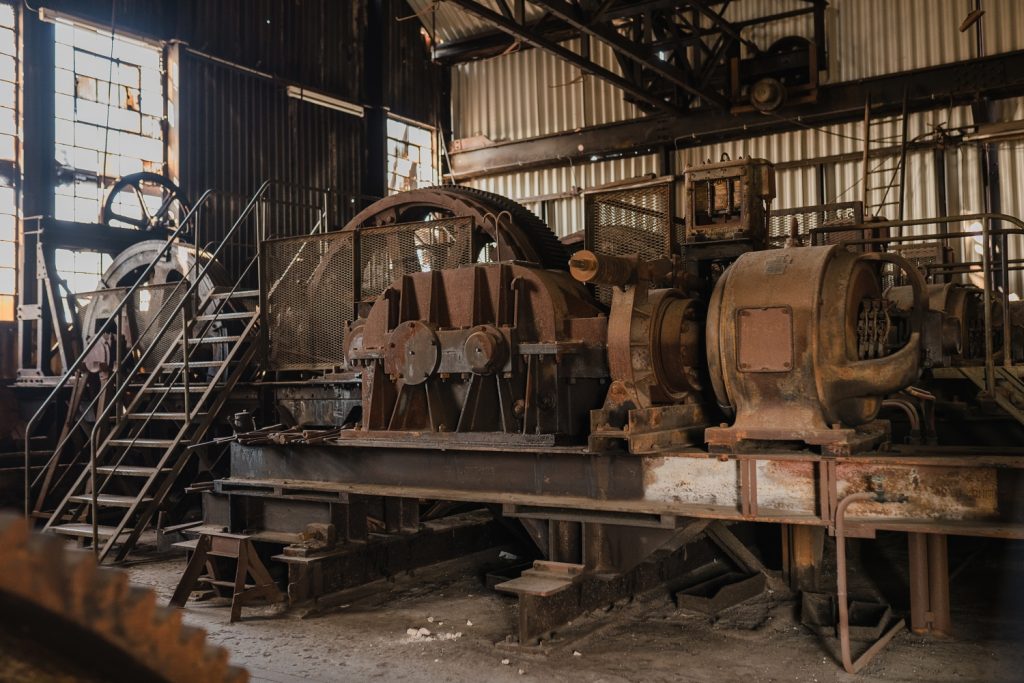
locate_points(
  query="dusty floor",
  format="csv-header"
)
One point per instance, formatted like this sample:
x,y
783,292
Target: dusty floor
x,y
367,638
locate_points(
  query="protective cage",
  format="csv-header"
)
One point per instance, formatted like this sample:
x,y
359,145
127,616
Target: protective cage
x,y
811,217
307,296
310,285
390,251
144,317
635,220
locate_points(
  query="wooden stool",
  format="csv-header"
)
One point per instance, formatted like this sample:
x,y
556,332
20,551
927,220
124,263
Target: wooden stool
x,y
238,547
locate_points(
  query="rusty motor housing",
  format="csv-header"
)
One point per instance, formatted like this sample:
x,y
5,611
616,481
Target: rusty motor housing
x,y
784,343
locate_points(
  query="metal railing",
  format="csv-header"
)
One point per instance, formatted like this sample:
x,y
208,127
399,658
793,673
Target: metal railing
x,y
79,362
181,307
986,234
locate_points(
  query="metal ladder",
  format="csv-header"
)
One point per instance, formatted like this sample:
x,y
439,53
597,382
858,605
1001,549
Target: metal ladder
x,y
887,175
138,460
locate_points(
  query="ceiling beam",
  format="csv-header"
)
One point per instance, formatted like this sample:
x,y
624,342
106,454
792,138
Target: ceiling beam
x,y
587,66
493,44
994,77
629,49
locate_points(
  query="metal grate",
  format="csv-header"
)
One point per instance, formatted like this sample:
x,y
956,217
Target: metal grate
x,y
309,299
624,222
810,217
154,304
922,255
391,251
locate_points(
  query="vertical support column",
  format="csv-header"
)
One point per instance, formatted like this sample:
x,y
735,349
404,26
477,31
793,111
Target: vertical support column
x,y
401,514
803,548
938,585
565,542
374,182
38,181
358,530
929,585
917,547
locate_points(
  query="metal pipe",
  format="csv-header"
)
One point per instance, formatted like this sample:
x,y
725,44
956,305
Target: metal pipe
x,y
963,218
938,585
849,664
917,549
908,409
986,265
184,363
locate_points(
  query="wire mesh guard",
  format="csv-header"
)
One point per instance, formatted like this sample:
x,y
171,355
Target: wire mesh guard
x,y
810,217
150,309
388,252
632,221
309,299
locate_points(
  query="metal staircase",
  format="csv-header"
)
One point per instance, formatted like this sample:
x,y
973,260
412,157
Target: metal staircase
x,y
1008,392
123,447
170,410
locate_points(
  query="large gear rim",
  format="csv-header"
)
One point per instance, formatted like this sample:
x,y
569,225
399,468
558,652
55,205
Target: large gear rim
x,y
526,236
65,592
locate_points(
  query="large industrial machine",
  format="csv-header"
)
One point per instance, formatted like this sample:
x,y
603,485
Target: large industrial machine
x,y
694,364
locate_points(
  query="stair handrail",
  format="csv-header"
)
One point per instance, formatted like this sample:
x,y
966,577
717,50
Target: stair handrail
x,y
84,412
77,364
322,209
257,199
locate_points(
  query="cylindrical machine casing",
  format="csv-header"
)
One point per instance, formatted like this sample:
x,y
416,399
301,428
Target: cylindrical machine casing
x,y
782,341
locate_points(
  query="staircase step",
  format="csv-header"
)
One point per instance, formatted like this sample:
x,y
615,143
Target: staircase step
x,y
85,530
129,470
215,340
237,294
244,315
192,389
192,364
110,500
147,443
178,417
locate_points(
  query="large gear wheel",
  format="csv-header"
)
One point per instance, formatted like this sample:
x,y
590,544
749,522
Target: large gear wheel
x,y
65,619
520,233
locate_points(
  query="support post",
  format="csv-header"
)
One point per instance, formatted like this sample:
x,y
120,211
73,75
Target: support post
x,y
803,547
938,585
917,547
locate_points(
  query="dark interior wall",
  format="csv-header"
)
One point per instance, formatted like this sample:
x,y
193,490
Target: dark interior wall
x,y
412,83
251,132
236,130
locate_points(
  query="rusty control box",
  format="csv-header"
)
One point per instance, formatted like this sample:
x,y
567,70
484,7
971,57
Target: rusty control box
x,y
729,200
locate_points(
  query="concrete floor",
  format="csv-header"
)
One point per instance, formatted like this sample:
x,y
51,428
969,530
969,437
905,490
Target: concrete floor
x,y
367,637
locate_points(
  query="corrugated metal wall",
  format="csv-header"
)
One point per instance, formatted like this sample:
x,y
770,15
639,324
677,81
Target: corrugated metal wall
x,y
317,43
532,93
237,130
412,83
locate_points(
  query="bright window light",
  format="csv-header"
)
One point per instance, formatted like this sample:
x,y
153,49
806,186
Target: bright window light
x,y
412,156
109,103
9,141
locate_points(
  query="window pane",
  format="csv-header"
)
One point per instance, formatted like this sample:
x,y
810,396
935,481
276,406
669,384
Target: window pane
x,y
103,86
6,308
412,161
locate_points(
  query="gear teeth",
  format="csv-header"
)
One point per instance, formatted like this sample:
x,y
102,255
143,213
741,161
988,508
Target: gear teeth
x,y
67,583
110,589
